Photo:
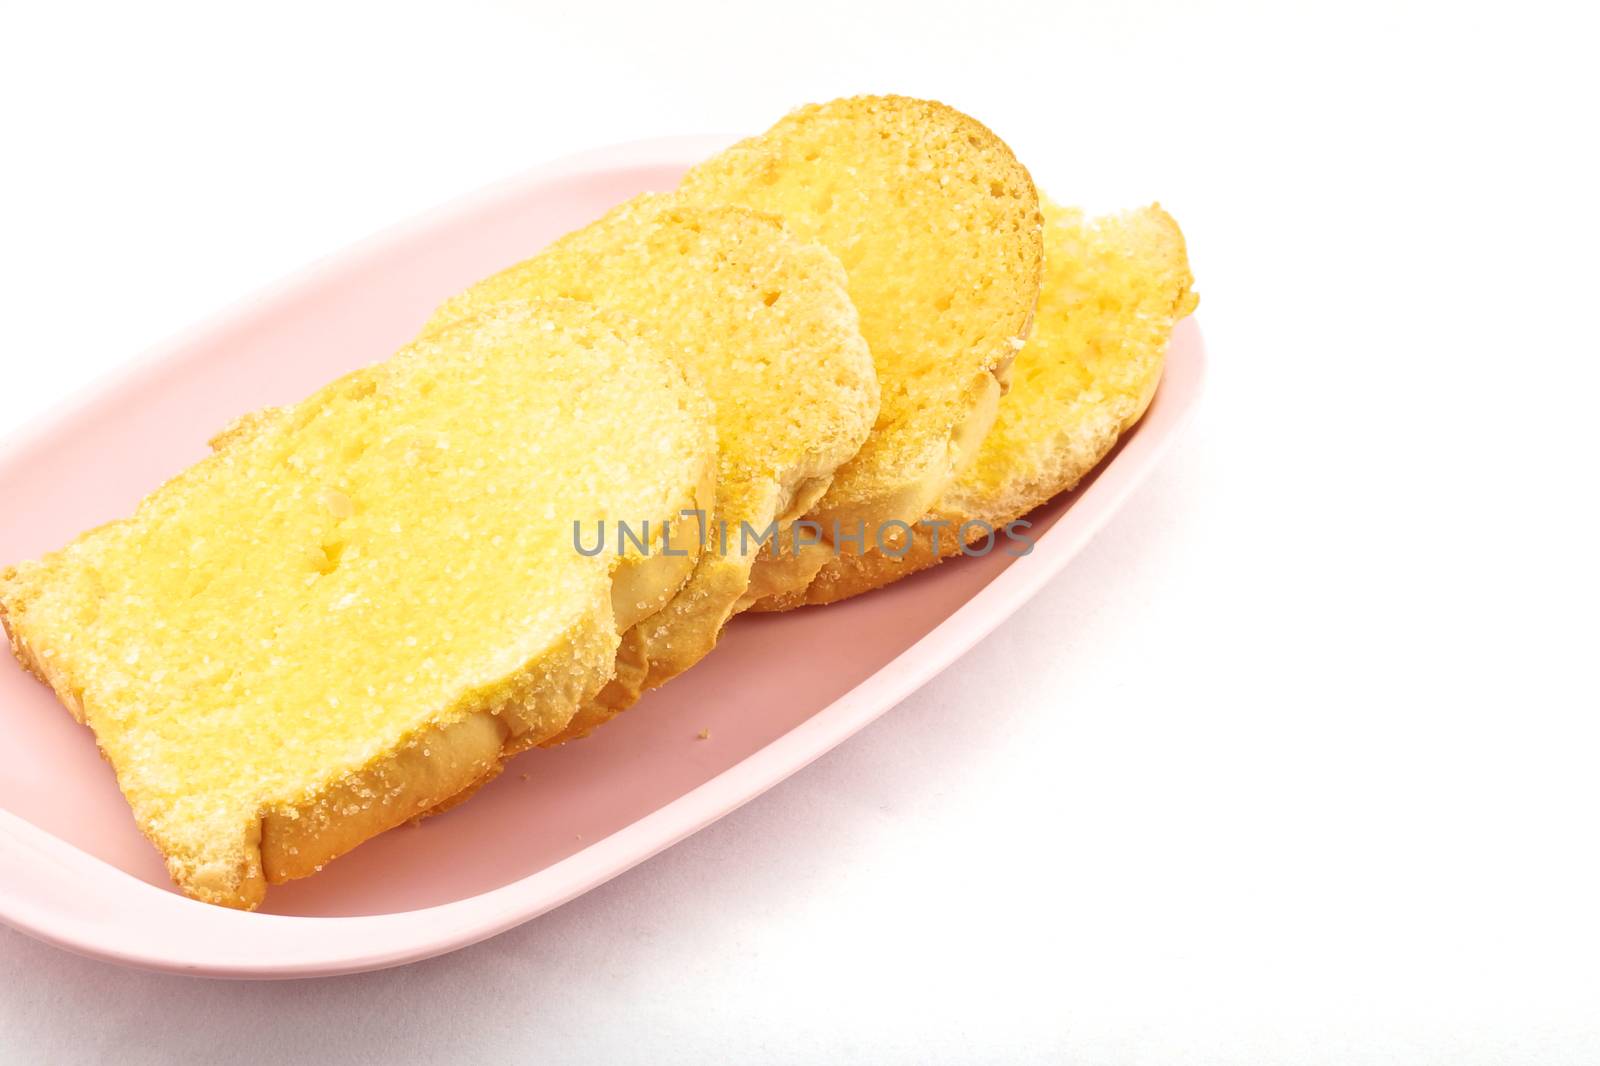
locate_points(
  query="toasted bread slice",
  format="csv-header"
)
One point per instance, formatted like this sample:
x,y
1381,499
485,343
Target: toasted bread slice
x,y
764,321
938,228
348,614
1114,287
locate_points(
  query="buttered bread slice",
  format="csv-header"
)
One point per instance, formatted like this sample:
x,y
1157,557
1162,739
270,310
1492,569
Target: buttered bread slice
x,y
347,615
764,321
938,228
1114,288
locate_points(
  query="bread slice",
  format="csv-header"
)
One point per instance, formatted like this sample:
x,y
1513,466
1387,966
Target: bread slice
x,y
938,228
348,614
763,320
1114,287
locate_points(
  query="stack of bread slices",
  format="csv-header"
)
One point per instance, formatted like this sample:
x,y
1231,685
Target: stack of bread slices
x,y
863,324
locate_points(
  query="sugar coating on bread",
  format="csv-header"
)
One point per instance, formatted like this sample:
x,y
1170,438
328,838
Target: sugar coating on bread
x,y
764,321
938,228
1114,287
347,614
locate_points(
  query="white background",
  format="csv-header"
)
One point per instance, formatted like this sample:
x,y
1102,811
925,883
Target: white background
x,y
1297,763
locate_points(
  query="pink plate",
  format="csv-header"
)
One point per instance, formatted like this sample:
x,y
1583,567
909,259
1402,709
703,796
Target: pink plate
x,y
778,692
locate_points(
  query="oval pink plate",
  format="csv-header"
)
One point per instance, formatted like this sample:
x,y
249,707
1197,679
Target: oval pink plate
x,y
777,693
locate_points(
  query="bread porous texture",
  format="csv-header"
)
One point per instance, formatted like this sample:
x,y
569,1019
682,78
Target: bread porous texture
x,y
350,611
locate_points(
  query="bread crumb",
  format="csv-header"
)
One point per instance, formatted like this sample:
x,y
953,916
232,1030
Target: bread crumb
x,y
705,734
